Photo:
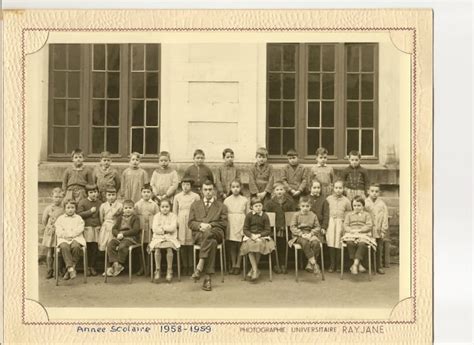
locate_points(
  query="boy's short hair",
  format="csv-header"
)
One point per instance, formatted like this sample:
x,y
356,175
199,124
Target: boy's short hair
x,y
136,154
57,190
358,198
373,184
198,152
91,187
317,181
111,190
208,183
70,202
105,154
278,184
305,199
339,181
321,151
147,186
262,151
354,153
255,200
226,151
164,154
236,181
187,179
128,203
77,151
292,153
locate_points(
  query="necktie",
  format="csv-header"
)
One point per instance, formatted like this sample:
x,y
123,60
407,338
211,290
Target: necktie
x,y
208,203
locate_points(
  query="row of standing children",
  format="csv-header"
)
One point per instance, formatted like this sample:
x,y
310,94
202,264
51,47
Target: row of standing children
x,y
164,184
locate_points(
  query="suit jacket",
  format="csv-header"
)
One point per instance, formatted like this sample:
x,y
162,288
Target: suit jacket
x,y
131,232
216,215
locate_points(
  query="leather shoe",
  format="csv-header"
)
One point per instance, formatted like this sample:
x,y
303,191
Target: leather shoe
x,y
196,275
93,271
206,285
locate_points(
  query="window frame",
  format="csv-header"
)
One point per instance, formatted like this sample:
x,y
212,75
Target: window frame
x,y
340,103
86,99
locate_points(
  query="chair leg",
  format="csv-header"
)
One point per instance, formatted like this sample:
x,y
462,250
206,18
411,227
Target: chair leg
x,y
370,263
296,265
270,265
374,258
84,255
105,264
194,260
286,255
225,256
178,263
129,265
56,263
244,264
152,252
342,260
145,267
276,256
322,261
222,262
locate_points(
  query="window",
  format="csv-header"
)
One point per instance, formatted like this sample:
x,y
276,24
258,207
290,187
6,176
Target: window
x,y
322,94
104,97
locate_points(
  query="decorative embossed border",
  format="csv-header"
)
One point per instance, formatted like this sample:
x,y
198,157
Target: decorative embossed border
x,y
413,165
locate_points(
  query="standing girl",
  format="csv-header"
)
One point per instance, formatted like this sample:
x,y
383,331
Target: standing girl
x,y
108,213
321,172
164,180
339,205
237,207
181,206
50,214
133,179
165,236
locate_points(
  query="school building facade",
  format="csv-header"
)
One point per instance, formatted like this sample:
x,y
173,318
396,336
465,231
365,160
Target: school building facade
x,y
278,91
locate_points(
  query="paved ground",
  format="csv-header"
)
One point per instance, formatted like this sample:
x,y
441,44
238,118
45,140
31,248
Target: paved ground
x,y
353,291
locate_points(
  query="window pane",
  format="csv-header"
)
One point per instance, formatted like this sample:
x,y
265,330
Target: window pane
x,y
137,140
72,138
137,57
328,86
112,140
97,140
289,58
151,140
99,56
274,114
152,113
313,86
59,112
288,140
59,137
367,58
367,85
113,57
74,57
327,140
98,112
74,86
274,57
312,141
314,58
59,84
367,143
152,57
352,114
313,114
152,85
274,141
288,114
352,140
352,58
112,113
367,114
73,112
113,85
289,86
59,57
352,81
98,85
328,114
138,84
328,57
138,113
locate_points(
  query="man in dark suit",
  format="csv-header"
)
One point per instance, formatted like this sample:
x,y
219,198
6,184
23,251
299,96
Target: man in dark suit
x,y
208,221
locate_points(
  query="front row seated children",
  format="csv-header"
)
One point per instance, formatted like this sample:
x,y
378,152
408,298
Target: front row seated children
x,y
125,233
339,205
279,204
88,209
69,231
257,240
144,208
307,233
379,212
108,213
50,215
165,236
358,234
237,207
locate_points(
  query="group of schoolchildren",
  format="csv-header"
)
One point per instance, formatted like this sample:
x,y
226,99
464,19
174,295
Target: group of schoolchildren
x,y
329,210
